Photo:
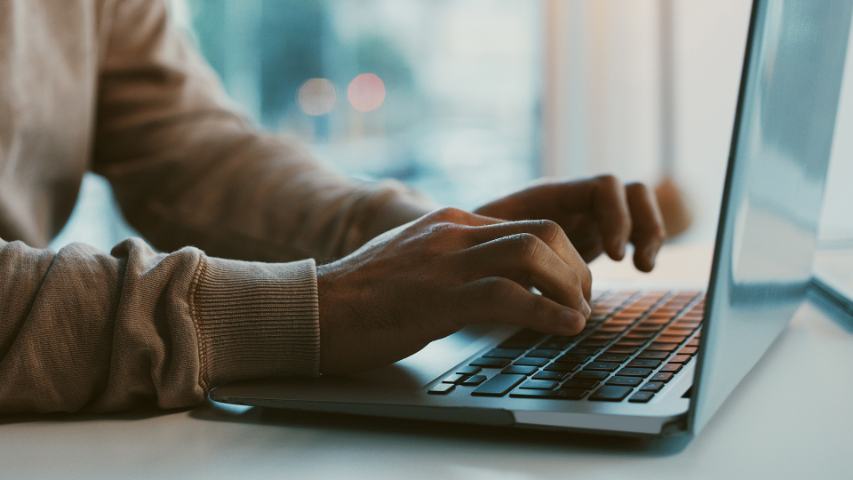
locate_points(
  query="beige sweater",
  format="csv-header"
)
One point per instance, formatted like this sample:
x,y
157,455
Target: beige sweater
x,y
111,86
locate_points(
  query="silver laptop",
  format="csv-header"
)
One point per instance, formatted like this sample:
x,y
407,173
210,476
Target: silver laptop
x,y
649,362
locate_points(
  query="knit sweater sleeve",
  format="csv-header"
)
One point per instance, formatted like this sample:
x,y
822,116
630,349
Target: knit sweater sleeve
x,y
189,169
82,330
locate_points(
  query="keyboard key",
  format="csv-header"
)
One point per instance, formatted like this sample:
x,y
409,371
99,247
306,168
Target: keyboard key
x,y
622,350
520,369
677,331
549,375
573,358
469,370
581,383
504,353
441,388
454,378
539,384
662,377
490,362
680,359
611,393
572,393
652,386
498,385
543,353
653,355
523,339
528,393
473,380
530,361
603,336
612,357
596,374
641,397
638,335
662,347
585,350
562,367
646,329
557,342
606,366
688,351
635,372
626,381
644,363
670,338
630,343
671,367
549,394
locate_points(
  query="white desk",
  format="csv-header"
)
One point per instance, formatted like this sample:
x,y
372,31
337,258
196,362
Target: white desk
x,y
790,419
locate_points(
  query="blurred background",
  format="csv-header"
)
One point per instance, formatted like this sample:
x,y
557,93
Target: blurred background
x,y
469,99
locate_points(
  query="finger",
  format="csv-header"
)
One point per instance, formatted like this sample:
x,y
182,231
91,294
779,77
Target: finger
x,y
648,232
603,198
457,216
527,260
548,231
584,235
590,248
610,209
502,301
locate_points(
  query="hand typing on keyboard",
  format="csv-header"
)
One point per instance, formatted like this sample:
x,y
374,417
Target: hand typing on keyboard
x,y
450,268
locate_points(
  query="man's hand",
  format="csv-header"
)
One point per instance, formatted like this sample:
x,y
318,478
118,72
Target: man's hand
x,y
450,268
599,215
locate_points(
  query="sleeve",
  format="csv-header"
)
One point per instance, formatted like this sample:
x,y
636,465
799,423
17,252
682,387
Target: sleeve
x,y
188,170
81,330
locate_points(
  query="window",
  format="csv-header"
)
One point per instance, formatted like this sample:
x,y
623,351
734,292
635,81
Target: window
x,y
442,95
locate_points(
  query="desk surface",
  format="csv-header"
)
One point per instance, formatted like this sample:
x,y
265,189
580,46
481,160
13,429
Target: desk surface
x,y
790,419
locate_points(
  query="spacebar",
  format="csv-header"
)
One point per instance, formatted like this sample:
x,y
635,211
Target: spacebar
x,y
498,385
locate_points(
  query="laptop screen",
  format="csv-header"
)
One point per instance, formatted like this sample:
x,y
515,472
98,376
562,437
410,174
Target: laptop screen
x,y
780,151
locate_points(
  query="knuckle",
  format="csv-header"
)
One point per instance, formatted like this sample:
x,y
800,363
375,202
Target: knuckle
x,y
585,275
659,233
539,307
637,188
526,244
608,180
497,288
550,230
447,214
442,229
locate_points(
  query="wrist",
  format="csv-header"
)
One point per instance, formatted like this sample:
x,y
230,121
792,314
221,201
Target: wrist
x,y
390,205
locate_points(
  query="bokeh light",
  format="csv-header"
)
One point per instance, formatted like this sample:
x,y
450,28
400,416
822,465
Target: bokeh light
x,y
317,97
366,92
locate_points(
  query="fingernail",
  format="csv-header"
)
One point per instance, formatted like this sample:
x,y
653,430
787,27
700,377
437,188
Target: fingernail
x,y
619,247
651,255
587,310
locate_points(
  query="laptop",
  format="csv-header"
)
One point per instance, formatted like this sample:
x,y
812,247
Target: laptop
x,y
649,362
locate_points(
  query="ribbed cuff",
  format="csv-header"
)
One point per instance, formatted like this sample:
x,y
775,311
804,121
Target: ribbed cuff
x,y
256,320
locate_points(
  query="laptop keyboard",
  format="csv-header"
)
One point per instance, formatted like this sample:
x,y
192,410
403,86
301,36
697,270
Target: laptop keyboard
x,y
633,344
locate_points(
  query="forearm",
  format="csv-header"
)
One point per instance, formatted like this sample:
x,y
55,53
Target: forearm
x,y
189,170
83,330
